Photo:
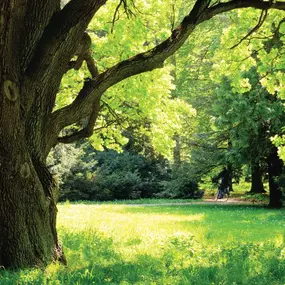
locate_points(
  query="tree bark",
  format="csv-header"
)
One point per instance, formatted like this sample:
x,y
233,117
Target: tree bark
x,y
27,191
256,179
28,199
230,171
230,168
275,165
177,151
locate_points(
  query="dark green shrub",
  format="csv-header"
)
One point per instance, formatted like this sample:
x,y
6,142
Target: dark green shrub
x,y
87,174
183,184
109,175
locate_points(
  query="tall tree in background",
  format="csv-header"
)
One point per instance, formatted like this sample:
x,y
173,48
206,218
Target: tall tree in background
x,y
255,74
38,41
250,119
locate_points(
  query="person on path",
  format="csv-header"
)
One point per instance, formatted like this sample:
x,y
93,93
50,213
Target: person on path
x,y
224,176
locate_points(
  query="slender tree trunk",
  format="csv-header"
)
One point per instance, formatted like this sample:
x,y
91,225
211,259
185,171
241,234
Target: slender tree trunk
x,y
230,171
177,151
275,166
256,179
176,137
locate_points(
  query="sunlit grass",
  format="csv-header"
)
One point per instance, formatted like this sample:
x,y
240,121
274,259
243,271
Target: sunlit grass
x,y
190,244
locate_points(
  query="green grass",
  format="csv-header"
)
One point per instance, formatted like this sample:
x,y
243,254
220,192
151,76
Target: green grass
x,y
190,244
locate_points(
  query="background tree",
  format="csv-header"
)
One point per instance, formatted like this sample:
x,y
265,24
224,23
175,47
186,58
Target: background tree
x,y
247,111
256,68
250,119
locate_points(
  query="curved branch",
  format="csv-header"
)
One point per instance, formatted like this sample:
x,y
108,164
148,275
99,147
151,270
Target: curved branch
x,y
149,60
85,132
238,4
261,20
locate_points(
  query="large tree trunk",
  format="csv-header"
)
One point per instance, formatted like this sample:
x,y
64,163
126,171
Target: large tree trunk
x,y
256,179
27,192
275,166
28,198
27,211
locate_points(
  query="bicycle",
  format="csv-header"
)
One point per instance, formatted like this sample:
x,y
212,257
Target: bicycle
x,y
225,194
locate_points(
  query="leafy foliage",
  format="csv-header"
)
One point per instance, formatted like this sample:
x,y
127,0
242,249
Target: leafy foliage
x,y
183,183
145,100
109,175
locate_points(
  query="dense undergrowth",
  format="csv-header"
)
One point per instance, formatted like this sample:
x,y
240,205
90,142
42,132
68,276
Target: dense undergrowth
x,y
190,244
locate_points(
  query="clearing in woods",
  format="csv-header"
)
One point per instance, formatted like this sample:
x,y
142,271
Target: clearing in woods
x,y
198,243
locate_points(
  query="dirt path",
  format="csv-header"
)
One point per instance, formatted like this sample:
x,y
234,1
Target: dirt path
x,y
207,201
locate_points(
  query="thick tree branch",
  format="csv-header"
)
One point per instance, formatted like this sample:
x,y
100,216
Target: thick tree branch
x,y
86,131
35,12
238,4
54,51
58,42
149,60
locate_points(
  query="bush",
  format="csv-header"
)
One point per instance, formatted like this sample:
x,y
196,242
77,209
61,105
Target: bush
x,y
87,174
183,184
110,175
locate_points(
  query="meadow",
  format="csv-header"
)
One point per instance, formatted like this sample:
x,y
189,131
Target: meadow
x,y
178,244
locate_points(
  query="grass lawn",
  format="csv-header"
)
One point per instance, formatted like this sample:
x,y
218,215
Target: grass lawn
x,y
180,244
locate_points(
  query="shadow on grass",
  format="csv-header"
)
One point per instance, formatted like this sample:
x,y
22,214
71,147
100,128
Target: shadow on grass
x,y
93,259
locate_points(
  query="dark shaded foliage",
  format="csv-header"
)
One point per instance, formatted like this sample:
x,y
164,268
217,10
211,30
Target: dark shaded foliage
x,y
87,174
